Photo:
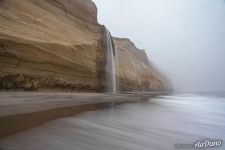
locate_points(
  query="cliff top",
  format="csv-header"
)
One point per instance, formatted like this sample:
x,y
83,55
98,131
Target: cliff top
x,y
124,42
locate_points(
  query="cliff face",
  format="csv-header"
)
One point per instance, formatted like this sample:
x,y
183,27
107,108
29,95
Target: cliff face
x,y
59,45
134,69
50,44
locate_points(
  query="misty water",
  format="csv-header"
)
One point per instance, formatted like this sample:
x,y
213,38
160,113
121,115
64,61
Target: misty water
x,y
156,124
110,64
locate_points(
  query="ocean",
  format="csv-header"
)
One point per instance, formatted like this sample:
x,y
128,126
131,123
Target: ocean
x,y
181,121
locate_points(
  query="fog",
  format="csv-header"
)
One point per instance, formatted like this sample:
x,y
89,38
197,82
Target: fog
x,y
185,39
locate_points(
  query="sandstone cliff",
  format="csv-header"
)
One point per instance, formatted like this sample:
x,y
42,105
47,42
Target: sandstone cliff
x,y
134,69
50,44
59,45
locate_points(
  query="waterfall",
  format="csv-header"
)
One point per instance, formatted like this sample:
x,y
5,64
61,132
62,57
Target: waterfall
x,y
110,64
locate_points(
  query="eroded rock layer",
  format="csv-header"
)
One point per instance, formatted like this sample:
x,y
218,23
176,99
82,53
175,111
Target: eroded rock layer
x,y
134,69
50,44
59,45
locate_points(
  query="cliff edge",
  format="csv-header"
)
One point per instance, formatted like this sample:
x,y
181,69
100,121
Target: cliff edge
x,y
134,70
50,45
58,45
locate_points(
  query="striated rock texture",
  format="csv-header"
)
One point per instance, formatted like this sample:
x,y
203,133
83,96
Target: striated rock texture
x,y
59,45
50,44
134,71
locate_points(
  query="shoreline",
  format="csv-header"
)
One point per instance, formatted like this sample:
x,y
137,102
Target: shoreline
x,y
20,111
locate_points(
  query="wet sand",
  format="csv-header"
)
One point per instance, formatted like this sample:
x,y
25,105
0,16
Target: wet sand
x,y
23,110
156,124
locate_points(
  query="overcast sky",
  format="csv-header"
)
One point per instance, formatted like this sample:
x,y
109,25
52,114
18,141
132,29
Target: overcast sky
x,y
184,38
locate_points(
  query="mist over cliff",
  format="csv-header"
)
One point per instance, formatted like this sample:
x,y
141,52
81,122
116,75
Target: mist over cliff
x,y
183,38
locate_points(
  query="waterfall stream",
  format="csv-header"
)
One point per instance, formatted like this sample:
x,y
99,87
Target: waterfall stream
x,y
110,64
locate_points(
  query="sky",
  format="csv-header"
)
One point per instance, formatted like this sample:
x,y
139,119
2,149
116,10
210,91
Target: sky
x,y
185,39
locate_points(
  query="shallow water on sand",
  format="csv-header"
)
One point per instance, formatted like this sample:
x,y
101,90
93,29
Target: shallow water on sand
x,y
156,124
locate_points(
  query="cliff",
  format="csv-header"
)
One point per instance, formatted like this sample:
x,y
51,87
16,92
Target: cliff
x,y
134,71
50,44
59,45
